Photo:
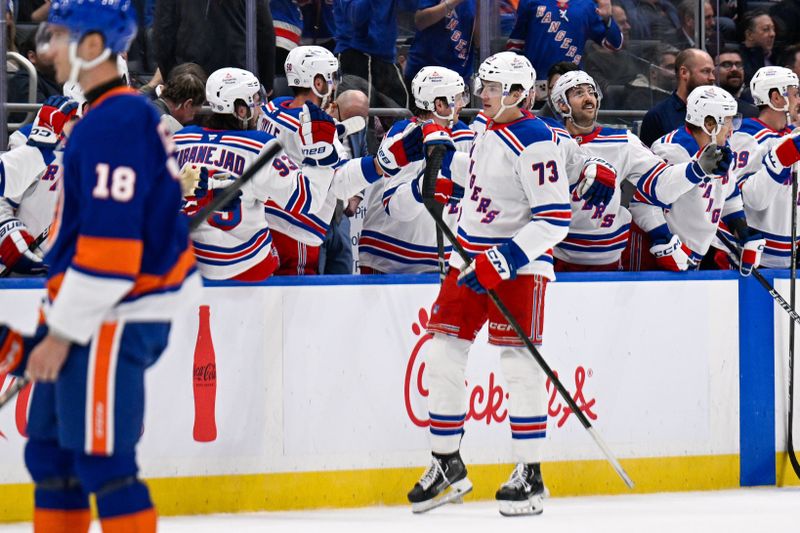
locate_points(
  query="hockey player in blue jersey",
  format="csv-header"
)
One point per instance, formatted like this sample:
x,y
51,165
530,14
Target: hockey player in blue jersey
x,y
120,267
551,31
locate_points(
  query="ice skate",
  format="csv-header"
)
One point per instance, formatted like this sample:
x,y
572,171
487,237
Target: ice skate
x,y
443,482
523,493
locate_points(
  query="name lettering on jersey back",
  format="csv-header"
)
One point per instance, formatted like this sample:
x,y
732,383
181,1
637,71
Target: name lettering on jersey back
x,y
215,156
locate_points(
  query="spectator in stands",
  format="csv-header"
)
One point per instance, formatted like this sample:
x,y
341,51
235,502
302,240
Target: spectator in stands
x,y
182,96
656,84
548,33
213,35
787,12
366,35
318,23
33,10
758,38
46,84
445,31
791,58
288,21
336,252
730,76
693,68
653,20
686,11
612,68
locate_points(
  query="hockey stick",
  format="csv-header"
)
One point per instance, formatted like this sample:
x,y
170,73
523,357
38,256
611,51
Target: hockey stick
x,y
789,308
229,193
793,282
434,163
761,279
13,390
31,247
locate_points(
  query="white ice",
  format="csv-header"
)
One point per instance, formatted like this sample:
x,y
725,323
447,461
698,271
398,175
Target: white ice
x,y
736,511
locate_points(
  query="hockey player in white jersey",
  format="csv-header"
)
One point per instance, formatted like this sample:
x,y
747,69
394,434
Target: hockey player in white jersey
x,y
689,221
398,234
235,243
515,209
598,232
298,235
29,185
766,149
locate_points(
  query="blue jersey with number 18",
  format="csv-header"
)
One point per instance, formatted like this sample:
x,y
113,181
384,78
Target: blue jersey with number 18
x,y
120,246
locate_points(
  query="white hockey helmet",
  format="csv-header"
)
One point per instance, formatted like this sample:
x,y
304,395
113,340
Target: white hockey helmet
x,y
768,78
227,85
567,81
304,63
508,69
710,101
431,83
73,91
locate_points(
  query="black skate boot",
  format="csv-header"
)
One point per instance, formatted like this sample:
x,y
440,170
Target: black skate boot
x,y
522,494
444,481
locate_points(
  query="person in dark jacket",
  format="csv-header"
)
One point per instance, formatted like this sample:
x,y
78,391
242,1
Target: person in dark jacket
x,y
758,38
213,34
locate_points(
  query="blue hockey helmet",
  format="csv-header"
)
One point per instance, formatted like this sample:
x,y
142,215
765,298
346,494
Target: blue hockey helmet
x,y
115,20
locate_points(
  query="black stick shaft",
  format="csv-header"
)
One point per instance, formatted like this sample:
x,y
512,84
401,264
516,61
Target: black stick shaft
x,y
230,192
428,191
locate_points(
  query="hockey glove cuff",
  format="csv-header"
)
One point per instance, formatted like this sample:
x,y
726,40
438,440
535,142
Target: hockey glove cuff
x,y
672,254
752,249
493,266
400,150
317,133
598,182
14,253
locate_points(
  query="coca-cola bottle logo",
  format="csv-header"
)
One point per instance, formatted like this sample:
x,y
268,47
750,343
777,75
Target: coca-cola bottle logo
x,y
205,373
21,406
486,403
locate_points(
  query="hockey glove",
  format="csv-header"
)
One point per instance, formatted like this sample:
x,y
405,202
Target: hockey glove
x,y
779,160
493,266
435,135
752,249
670,252
12,349
598,182
447,191
400,150
49,122
14,252
712,161
317,133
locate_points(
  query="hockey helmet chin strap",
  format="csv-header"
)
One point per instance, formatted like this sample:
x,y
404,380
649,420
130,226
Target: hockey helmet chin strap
x,y
77,64
503,106
326,98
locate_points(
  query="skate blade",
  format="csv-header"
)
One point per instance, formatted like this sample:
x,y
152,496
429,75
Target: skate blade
x,y
531,506
454,493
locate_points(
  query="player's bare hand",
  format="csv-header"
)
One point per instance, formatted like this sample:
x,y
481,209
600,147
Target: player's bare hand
x,y
604,9
352,206
47,358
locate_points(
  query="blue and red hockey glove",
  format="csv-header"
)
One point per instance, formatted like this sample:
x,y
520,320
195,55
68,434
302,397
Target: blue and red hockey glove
x,y
317,133
50,120
400,150
752,248
670,252
598,182
495,265
14,253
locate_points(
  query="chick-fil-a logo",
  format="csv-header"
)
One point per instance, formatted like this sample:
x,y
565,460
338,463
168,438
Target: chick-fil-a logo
x,y
21,407
486,403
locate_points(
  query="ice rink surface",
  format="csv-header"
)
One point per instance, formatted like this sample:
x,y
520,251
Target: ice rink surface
x,y
745,510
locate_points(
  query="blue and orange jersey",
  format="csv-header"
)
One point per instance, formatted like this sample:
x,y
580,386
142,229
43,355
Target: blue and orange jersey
x,y
118,238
